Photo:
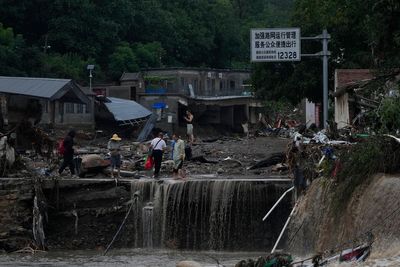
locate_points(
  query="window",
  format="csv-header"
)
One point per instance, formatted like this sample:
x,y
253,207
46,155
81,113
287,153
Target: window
x,y
79,108
213,84
87,108
69,108
232,84
182,82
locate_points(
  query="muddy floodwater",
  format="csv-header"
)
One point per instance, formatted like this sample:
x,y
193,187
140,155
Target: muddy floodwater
x,y
153,258
125,257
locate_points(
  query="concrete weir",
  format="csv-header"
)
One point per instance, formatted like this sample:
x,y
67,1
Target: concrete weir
x,y
199,213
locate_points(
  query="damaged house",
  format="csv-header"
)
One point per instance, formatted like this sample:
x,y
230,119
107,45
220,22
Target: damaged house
x,y
215,96
359,91
54,102
120,112
349,103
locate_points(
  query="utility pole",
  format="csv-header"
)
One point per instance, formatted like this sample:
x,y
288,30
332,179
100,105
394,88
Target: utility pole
x,y
283,44
90,68
324,54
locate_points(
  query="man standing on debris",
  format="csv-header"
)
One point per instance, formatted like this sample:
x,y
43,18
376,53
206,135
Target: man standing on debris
x,y
158,146
68,155
114,148
189,119
178,157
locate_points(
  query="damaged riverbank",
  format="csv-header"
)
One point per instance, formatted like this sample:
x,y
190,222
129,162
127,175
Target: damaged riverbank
x,y
195,214
211,209
373,208
207,210
355,202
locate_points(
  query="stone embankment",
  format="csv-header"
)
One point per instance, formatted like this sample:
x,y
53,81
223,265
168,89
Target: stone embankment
x,y
16,199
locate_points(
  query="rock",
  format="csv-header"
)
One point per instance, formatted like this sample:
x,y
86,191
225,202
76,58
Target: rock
x,y
188,264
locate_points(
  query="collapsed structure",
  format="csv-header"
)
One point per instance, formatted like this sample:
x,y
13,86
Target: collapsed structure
x,y
215,96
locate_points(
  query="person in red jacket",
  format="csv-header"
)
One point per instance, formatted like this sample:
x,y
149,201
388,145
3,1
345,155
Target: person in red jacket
x,y
68,156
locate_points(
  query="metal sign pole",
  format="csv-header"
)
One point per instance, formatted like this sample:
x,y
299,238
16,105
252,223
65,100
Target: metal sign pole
x,y
324,54
325,38
283,44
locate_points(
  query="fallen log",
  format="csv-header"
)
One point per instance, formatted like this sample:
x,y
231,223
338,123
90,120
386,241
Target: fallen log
x,y
271,160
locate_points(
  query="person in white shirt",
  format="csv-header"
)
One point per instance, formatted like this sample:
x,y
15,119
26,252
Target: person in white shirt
x,y
158,145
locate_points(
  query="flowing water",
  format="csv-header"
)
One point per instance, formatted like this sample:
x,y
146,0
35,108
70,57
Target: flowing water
x,y
125,257
153,258
203,215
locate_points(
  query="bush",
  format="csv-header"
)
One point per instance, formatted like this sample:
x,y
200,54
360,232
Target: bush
x,y
389,114
379,154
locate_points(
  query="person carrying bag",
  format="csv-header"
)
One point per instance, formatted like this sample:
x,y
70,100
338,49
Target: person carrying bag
x,y
156,150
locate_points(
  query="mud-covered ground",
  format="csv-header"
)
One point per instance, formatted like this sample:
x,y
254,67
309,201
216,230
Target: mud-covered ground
x,y
227,156
235,155
215,156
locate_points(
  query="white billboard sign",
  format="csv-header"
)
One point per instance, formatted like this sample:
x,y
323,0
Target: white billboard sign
x,y
271,45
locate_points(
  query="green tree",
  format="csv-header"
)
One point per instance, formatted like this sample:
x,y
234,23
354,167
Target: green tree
x,y
199,33
10,47
364,34
122,60
148,55
70,66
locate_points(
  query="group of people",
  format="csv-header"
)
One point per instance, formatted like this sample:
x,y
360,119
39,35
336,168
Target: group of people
x,y
66,148
157,146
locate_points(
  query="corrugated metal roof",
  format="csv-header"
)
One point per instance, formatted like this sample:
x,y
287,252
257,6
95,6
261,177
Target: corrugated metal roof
x,y
125,110
38,87
128,76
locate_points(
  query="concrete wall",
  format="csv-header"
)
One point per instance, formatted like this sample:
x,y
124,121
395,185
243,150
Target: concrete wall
x,y
65,117
205,82
171,109
119,92
342,114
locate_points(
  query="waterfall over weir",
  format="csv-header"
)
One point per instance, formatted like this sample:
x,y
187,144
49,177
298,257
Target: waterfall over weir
x,y
212,214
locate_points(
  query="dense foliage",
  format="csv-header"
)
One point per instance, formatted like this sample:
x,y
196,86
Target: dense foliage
x,y
58,38
364,34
